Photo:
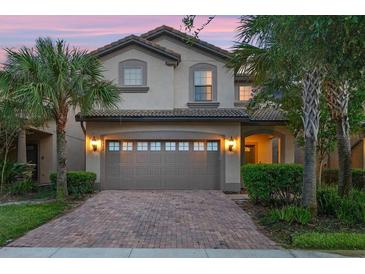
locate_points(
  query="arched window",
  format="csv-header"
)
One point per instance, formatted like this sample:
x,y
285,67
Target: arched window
x,y
203,82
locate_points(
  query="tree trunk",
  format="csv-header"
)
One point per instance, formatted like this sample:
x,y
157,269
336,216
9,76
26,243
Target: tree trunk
x,y
344,157
337,95
61,159
320,164
22,147
5,161
311,95
309,175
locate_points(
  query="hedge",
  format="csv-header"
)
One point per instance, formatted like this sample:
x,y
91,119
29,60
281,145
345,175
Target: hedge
x,y
330,177
79,183
273,183
322,240
348,210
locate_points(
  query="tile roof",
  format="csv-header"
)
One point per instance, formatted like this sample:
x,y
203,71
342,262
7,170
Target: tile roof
x,y
186,38
134,39
268,114
232,114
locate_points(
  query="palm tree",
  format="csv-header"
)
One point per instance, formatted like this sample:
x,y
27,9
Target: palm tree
x,y
50,79
278,49
345,65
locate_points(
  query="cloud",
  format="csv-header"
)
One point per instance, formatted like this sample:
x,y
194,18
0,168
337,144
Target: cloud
x,y
90,32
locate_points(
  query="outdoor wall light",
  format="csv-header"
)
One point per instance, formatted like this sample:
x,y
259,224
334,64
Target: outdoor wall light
x,y
94,143
231,144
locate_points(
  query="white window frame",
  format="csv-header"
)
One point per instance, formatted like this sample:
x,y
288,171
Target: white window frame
x,y
113,146
155,146
127,146
170,146
199,146
133,76
203,82
212,146
142,146
184,146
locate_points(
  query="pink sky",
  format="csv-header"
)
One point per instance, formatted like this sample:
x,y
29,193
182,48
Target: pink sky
x,y
90,32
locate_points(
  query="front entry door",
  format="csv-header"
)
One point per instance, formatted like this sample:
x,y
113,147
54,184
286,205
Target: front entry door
x,y
250,154
32,157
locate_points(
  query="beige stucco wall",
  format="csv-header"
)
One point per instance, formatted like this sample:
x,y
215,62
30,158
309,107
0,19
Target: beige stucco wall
x,y
191,56
160,79
289,144
357,156
263,144
47,142
226,129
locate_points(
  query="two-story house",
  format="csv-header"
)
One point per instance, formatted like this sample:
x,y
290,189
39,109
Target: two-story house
x,y
181,121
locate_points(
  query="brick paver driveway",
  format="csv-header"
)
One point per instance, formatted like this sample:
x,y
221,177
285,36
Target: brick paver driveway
x,y
151,219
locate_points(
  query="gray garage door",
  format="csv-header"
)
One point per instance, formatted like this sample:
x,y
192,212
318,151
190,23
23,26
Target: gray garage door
x,y
141,164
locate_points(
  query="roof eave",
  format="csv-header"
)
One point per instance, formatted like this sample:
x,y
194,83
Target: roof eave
x,y
158,119
194,42
126,43
267,122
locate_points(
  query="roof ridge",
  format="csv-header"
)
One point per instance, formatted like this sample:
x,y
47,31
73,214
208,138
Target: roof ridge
x,y
133,37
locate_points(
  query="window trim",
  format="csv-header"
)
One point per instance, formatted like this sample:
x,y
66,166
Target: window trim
x,y
212,150
144,142
202,67
113,141
237,91
127,147
183,150
171,142
153,149
197,147
132,63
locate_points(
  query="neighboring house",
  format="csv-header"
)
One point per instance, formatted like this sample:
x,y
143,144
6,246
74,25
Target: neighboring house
x,y
181,122
41,148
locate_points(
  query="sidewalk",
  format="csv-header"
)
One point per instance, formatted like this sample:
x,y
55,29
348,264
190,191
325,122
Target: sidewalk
x,y
28,252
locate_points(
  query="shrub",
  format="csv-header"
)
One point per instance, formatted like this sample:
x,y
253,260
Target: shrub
x,y
340,240
349,210
16,171
22,187
330,177
79,183
273,183
290,214
328,200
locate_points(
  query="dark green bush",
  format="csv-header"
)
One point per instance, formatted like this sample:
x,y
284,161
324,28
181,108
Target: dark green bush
x,y
22,187
273,183
16,171
79,183
289,214
328,201
330,177
349,210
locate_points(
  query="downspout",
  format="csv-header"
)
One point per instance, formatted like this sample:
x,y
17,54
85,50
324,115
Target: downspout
x,y
84,131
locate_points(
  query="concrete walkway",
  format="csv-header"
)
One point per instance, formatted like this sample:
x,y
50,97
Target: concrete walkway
x,y
33,252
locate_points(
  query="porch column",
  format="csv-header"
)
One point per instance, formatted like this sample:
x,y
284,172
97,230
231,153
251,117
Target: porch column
x,y
22,147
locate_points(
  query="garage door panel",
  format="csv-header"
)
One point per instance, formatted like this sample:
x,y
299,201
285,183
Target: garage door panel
x,y
162,169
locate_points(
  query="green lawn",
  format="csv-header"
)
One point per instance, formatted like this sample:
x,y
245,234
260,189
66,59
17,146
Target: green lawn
x,y
334,240
16,220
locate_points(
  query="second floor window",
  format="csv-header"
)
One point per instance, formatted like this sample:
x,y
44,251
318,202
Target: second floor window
x,y
133,73
133,76
244,93
203,85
